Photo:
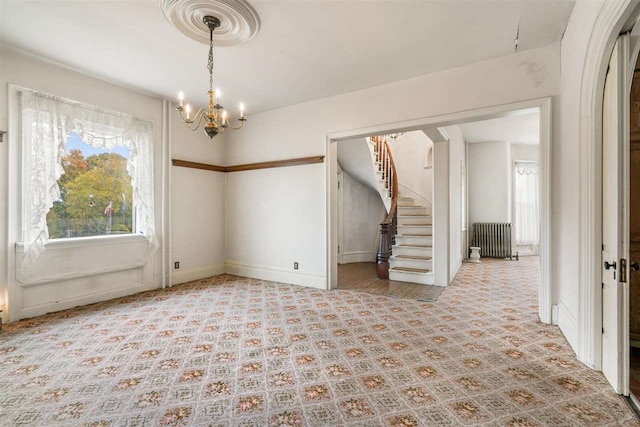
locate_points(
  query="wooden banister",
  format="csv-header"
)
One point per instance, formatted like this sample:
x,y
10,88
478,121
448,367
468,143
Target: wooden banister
x,y
388,227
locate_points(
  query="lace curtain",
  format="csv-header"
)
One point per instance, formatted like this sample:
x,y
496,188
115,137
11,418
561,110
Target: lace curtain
x,y
47,123
527,203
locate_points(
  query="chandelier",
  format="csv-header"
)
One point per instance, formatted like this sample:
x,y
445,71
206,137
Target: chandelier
x,y
395,136
215,117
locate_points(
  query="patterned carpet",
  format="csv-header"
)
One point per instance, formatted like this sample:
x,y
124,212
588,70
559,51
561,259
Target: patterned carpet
x,y
235,351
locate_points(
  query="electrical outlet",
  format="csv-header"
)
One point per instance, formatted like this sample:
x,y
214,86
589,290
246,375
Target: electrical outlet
x,y
176,265
295,265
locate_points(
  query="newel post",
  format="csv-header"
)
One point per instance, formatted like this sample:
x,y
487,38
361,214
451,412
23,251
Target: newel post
x,y
384,252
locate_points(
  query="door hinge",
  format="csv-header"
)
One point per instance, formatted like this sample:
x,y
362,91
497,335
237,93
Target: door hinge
x,y
338,248
603,330
602,285
338,185
623,270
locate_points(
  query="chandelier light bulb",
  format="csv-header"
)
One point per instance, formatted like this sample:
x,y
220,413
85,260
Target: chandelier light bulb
x,y
242,109
224,117
187,109
181,98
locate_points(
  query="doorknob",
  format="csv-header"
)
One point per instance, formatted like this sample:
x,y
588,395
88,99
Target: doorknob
x,y
634,265
608,265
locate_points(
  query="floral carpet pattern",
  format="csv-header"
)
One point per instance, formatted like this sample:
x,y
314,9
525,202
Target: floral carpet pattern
x,y
243,352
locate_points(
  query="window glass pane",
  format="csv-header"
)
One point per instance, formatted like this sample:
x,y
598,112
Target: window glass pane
x,y
95,193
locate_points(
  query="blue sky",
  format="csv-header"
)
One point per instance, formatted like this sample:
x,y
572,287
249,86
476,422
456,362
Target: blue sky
x,y
75,143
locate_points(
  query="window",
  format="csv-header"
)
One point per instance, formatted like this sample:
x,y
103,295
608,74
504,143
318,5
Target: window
x,y
527,204
95,192
85,172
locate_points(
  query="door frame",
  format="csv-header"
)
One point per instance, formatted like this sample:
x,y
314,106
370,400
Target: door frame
x,y
544,106
612,17
340,217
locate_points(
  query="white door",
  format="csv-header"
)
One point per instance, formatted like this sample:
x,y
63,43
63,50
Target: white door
x,y
615,158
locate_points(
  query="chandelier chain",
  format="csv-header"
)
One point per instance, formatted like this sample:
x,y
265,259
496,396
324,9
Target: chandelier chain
x,y
210,62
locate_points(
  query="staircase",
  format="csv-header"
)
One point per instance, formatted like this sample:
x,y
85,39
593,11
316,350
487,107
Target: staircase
x,y
406,235
412,252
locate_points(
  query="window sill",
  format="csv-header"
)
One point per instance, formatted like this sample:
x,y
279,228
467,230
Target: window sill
x,y
82,242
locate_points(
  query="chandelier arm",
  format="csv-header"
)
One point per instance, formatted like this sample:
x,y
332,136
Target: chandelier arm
x,y
200,112
199,116
236,127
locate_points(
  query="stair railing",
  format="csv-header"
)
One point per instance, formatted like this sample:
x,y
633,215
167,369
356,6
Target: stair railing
x,y
389,226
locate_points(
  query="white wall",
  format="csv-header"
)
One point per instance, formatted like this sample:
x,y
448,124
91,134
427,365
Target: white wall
x,y
524,152
489,182
354,156
362,213
44,76
457,224
566,185
409,154
301,130
197,205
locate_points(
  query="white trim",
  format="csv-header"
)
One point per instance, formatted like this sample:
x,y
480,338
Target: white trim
x,y
340,217
608,24
555,310
359,256
568,324
545,167
26,283
14,297
185,276
39,310
166,191
505,110
441,213
83,242
331,167
275,274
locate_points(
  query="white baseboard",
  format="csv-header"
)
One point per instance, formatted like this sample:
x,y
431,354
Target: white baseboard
x,y
568,325
554,314
454,271
39,310
276,274
184,276
349,257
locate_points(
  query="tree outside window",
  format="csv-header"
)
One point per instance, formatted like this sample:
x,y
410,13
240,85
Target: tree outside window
x,y
96,193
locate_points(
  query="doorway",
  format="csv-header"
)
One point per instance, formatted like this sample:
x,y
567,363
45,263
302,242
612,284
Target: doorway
x,y
621,222
542,105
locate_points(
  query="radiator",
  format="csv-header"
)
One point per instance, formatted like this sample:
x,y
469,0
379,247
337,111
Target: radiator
x,y
493,238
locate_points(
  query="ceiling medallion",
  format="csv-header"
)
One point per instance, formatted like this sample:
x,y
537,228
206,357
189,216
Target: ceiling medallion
x,y
239,22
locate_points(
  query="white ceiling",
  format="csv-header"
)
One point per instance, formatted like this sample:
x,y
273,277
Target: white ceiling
x,y
306,49
521,128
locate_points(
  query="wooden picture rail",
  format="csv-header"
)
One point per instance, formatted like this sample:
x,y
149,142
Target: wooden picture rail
x,y
250,166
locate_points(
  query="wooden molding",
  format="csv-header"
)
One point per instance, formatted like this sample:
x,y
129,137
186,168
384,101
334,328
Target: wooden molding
x,y
194,165
276,164
250,166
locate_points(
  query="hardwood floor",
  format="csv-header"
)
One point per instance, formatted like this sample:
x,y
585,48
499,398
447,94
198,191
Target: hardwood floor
x,y
362,277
